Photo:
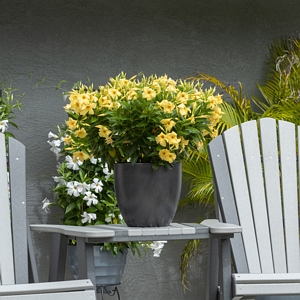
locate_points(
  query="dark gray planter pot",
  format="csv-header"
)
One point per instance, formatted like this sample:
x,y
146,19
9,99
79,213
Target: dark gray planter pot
x,y
108,268
147,198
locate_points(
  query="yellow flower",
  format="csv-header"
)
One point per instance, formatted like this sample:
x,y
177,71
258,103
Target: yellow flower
x,y
79,155
71,123
166,155
108,140
214,101
171,89
103,101
84,97
167,106
215,116
123,82
214,133
183,110
172,139
113,93
161,139
183,142
192,119
103,131
87,107
199,145
75,105
168,123
67,140
148,93
183,97
156,86
131,95
80,133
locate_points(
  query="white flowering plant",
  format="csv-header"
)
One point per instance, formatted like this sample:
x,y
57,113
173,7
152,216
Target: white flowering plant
x,y
141,119
7,106
84,190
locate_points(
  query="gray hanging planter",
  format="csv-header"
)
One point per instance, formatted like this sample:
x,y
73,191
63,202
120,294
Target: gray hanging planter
x,y
147,198
108,268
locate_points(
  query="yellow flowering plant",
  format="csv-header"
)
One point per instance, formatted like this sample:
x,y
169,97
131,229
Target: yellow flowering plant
x,y
141,119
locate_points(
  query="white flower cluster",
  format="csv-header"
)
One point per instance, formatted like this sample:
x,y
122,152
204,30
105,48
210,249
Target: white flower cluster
x,y
3,125
75,188
157,247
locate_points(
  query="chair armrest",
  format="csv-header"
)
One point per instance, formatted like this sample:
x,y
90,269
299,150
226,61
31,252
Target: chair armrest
x,y
217,227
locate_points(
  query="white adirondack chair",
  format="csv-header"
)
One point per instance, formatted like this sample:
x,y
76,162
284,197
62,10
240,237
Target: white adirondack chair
x,y
15,241
256,177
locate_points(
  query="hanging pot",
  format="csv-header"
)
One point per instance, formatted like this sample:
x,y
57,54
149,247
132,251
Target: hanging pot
x,y
108,268
147,198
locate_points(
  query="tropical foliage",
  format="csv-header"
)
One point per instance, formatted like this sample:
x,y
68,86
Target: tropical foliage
x,y
280,100
141,119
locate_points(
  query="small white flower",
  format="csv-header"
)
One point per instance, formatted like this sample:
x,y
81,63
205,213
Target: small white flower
x,y
88,217
97,185
54,146
46,202
157,247
71,164
3,125
83,187
110,217
93,160
59,180
120,217
52,135
73,188
107,173
90,198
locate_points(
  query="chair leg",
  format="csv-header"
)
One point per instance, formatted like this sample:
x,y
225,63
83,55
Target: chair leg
x,y
225,270
58,257
212,270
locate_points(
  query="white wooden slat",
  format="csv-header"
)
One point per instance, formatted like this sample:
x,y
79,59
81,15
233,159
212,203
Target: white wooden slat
x,y
6,251
252,157
184,229
81,295
287,139
155,231
174,230
134,231
225,197
267,278
87,231
273,191
17,167
47,287
267,289
242,197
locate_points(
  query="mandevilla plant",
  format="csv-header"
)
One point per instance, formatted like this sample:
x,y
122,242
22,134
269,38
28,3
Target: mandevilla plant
x,y
141,119
84,190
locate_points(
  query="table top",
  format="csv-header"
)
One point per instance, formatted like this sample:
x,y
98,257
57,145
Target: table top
x,y
123,233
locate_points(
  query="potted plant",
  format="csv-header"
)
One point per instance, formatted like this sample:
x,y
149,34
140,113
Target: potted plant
x,y
84,190
143,127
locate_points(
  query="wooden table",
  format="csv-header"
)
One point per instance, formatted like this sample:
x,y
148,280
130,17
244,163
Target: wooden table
x,y
88,235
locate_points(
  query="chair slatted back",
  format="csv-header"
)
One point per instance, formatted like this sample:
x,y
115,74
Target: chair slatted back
x,y
255,174
6,251
17,170
13,221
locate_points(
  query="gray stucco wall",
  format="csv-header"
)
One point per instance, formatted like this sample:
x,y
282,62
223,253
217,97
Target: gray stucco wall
x,y
75,39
